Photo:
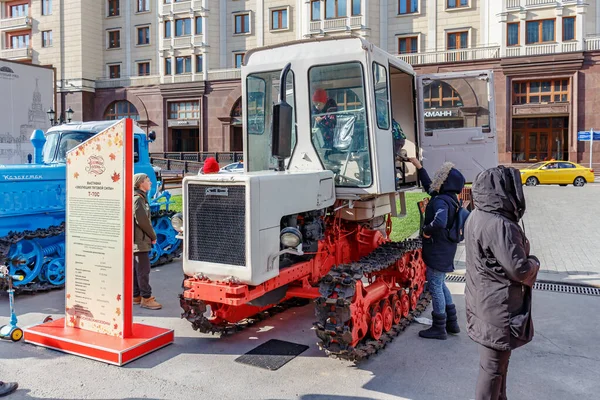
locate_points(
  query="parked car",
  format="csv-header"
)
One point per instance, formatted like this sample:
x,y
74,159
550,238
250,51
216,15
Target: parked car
x,y
562,173
233,168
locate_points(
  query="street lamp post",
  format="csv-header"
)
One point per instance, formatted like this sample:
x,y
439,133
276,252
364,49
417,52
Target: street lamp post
x,y
61,120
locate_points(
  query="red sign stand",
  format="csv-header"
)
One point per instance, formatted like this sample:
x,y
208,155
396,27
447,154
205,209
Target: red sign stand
x,y
98,321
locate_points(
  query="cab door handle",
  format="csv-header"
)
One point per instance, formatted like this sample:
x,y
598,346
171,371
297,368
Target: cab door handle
x,y
478,138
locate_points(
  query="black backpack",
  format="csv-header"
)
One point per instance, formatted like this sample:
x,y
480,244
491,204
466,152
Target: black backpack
x,y
456,231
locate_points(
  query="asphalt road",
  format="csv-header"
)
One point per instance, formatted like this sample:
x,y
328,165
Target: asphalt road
x,y
562,363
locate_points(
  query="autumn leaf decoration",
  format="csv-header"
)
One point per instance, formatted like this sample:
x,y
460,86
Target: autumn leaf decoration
x,y
98,147
118,297
115,177
76,175
112,157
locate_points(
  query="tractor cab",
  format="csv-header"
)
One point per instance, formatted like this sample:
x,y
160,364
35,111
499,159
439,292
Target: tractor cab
x,y
60,139
344,105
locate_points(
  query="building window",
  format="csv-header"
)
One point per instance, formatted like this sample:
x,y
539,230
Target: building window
x,y
114,39
356,6
441,95
315,10
408,6
242,23
408,45
143,5
143,69
199,64
335,9
143,35
184,110
183,27
113,8
279,19
568,28
46,38
536,92
457,3
167,29
46,7
19,41
457,40
183,65
238,59
19,10
512,34
540,139
540,31
114,71
121,109
198,25
168,69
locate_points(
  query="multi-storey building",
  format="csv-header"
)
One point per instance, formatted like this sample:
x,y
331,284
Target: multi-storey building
x,y
174,64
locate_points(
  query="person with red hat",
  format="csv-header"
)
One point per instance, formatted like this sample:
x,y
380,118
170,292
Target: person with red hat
x,y
211,166
322,108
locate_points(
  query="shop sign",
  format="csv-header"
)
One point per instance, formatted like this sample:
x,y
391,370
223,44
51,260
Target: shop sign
x,y
182,122
440,113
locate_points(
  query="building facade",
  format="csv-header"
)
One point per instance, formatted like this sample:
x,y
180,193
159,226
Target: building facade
x,y
174,65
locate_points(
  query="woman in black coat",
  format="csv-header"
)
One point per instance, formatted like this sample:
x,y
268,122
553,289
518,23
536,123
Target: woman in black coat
x,y
500,275
438,250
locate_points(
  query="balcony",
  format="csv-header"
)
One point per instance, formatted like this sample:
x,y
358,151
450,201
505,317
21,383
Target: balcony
x,y
106,83
183,42
592,43
181,7
17,54
336,25
436,57
224,74
543,49
14,24
513,4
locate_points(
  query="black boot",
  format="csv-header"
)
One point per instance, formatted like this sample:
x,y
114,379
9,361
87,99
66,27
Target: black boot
x,y
452,321
438,328
7,388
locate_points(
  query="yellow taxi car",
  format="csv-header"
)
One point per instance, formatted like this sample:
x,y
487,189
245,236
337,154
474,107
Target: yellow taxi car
x,y
562,173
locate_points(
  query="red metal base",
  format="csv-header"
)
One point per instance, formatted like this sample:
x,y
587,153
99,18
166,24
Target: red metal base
x,y
97,346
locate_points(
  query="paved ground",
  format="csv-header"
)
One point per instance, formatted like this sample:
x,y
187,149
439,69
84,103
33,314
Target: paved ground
x,y
563,226
562,363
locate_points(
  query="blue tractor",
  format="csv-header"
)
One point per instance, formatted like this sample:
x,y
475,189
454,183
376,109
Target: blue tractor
x,y
32,206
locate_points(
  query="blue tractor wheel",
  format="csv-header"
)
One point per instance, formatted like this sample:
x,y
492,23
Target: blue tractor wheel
x,y
167,245
55,271
26,259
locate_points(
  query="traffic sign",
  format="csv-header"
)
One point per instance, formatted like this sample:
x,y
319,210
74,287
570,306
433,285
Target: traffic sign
x,y
585,136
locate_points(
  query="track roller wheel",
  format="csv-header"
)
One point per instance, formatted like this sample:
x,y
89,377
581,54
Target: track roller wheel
x,y
396,308
376,328
388,314
405,303
414,299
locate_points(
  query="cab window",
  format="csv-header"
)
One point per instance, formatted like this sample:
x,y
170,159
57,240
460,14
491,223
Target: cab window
x,y
338,121
136,150
550,166
566,165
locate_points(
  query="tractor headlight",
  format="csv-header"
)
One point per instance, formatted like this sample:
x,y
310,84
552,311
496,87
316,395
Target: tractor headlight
x,y
177,222
290,237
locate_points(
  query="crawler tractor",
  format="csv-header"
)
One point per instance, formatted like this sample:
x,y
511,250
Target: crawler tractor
x,y
32,207
310,219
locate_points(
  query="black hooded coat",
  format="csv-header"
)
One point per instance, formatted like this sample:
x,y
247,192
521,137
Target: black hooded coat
x,y
438,250
500,271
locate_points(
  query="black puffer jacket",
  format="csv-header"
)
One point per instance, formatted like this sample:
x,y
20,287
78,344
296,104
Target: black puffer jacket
x,y
500,270
438,251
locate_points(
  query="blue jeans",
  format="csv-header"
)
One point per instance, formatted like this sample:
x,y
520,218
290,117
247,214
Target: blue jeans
x,y
440,295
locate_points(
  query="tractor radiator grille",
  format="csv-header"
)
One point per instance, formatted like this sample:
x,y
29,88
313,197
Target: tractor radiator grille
x,y
217,224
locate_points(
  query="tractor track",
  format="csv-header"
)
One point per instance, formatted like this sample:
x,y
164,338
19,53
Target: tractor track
x,y
341,279
338,290
36,286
